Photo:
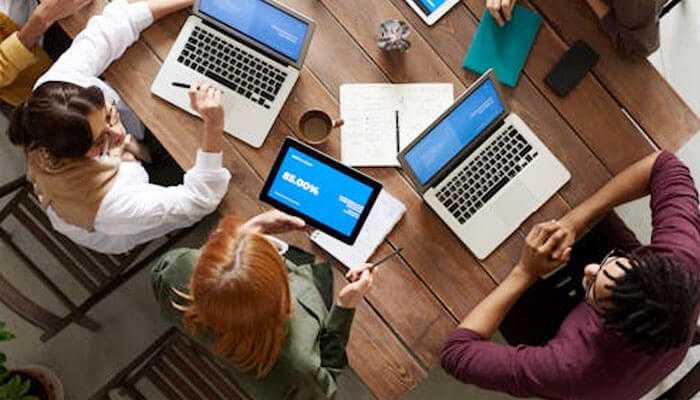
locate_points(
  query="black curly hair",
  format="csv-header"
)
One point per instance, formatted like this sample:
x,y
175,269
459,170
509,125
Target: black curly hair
x,y
653,303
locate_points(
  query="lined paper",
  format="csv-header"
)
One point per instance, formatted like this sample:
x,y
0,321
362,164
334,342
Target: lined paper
x,y
368,136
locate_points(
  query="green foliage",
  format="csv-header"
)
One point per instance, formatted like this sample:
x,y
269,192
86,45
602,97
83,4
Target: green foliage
x,y
15,388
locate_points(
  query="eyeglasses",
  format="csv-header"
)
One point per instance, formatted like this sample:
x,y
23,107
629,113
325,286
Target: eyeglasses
x,y
112,118
590,293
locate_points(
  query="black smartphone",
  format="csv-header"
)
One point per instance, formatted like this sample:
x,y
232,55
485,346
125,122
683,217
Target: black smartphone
x,y
571,68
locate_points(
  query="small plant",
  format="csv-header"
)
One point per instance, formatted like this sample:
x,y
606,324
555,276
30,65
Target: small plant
x,y
12,386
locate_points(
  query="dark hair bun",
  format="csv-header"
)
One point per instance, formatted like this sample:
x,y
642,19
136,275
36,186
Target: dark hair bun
x,y
55,117
18,134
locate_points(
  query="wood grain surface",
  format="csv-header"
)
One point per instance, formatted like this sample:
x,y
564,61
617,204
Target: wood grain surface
x,y
419,297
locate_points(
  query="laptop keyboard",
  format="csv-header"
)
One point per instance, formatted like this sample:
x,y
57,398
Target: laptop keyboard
x,y
480,179
233,67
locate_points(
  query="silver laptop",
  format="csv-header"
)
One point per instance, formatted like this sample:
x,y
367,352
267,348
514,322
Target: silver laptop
x,y
252,50
482,169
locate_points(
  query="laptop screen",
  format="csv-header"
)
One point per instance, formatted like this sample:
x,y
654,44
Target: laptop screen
x,y
456,131
262,22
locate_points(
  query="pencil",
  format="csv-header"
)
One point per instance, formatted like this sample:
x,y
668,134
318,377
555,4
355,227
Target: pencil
x,y
398,143
182,85
380,262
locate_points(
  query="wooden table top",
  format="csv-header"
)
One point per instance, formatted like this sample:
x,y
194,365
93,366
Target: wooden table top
x,y
617,115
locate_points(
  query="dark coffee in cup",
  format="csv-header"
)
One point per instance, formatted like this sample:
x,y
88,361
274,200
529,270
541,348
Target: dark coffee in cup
x,y
315,126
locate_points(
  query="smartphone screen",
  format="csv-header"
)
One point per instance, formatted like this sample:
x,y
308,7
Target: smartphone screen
x,y
571,68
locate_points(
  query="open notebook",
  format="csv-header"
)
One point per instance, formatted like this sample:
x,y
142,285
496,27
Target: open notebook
x,y
385,214
382,119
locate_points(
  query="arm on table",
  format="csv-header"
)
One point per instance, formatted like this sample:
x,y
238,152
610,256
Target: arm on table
x,y
107,36
674,210
599,7
150,206
630,184
536,260
335,332
632,24
521,371
17,50
205,185
15,57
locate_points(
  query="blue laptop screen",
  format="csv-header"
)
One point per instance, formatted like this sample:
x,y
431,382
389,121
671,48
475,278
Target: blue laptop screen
x,y
261,22
464,123
325,194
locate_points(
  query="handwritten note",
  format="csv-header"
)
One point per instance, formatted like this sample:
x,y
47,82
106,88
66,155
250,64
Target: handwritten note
x,y
382,119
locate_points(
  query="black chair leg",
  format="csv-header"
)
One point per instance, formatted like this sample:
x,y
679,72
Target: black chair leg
x,y
12,186
668,7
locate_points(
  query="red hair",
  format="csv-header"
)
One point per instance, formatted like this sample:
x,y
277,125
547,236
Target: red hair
x,y
239,292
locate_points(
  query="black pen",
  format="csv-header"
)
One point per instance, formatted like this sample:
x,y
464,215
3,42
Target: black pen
x,y
380,262
182,85
398,134
384,259
372,266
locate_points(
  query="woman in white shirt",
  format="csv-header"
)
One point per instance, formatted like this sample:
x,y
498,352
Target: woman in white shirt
x,y
84,166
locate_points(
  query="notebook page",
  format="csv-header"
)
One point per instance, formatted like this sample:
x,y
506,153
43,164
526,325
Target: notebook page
x,y
381,119
368,135
421,106
385,214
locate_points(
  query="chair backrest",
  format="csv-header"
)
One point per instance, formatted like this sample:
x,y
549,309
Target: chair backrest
x,y
179,369
668,7
95,273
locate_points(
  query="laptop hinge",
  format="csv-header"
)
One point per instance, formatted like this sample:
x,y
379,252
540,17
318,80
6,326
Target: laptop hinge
x,y
261,49
498,125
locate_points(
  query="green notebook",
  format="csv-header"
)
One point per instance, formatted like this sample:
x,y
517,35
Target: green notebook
x,y
504,49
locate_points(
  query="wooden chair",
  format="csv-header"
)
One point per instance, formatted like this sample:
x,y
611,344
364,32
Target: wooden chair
x,y
668,7
178,368
98,274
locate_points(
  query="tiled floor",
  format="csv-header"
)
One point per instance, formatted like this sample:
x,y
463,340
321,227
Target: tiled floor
x,y
130,318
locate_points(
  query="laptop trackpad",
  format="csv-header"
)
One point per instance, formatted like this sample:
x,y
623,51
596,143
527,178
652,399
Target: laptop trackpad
x,y
515,204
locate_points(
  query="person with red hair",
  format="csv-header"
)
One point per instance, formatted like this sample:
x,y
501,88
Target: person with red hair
x,y
263,307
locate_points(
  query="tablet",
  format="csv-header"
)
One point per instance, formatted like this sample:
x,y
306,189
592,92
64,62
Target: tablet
x,y
326,194
431,10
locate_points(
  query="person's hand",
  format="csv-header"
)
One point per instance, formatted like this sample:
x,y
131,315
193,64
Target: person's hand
x,y
599,7
353,292
569,237
116,143
274,221
139,150
206,100
355,273
55,10
537,257
501,10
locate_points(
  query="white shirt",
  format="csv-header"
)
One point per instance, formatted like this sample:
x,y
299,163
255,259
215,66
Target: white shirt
x,y
133,211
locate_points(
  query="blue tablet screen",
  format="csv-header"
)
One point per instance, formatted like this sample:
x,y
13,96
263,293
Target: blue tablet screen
x,y
429,6
325,194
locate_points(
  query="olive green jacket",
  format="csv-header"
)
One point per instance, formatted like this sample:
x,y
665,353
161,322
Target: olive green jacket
x,y
314,350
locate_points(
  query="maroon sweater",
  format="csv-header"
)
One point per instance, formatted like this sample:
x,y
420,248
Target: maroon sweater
x,y
584,360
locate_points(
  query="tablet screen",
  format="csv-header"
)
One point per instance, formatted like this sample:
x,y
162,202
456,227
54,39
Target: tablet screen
x,y
429,6
328,195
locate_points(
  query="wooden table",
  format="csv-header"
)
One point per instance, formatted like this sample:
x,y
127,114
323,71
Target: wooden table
x,y
618,114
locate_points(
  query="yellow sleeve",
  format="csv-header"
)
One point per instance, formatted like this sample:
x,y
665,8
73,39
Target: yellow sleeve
x,y
14,58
